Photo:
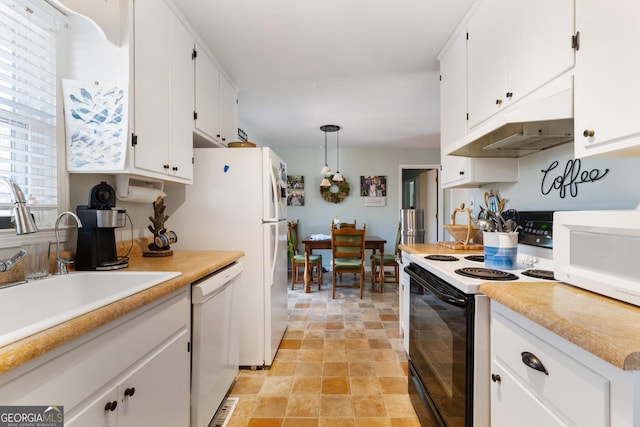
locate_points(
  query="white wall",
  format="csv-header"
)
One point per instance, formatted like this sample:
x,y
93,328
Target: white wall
x,y
316,214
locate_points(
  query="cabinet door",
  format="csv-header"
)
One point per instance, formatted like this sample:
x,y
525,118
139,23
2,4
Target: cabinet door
x,y
151,86
540,49
148,399
228,112
207,96
181,97
513,405
486,61
102,412
455,170
607,87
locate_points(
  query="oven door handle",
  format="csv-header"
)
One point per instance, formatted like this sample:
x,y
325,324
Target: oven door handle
x,y
442,296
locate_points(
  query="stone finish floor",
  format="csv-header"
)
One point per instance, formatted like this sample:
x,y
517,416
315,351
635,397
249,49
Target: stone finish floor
x,y
341,363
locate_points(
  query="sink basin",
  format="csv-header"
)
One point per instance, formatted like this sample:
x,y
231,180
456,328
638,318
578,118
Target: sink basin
x,y
35,306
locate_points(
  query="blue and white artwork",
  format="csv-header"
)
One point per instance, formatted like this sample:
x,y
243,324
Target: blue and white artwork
x,y
96,123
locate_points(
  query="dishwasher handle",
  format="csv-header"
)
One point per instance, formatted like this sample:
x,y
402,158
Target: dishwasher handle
x,y
215,283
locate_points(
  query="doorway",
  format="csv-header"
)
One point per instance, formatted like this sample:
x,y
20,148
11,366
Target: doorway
x,y
420,189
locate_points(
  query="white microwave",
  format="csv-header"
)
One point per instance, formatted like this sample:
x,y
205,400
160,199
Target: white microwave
x,y
599,251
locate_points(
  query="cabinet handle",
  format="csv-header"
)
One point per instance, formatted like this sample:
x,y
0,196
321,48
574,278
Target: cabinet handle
x,y
129,391
509,94
495,378
498,101
111,406
588,133
532,361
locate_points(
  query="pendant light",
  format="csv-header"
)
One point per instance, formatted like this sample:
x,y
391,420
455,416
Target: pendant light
x,y
326,170
338,176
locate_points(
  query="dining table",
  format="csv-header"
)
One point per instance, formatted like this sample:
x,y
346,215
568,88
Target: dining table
x,y
374,243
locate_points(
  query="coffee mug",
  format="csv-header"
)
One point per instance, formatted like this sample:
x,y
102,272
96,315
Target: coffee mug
x,y
165,239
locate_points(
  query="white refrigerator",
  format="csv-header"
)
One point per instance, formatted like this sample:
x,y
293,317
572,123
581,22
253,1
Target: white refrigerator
x,y
238,202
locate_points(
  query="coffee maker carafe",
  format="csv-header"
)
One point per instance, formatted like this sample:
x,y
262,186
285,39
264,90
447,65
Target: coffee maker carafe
x,y
96,248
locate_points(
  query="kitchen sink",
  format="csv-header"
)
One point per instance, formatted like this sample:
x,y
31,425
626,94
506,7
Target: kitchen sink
x,y
32,307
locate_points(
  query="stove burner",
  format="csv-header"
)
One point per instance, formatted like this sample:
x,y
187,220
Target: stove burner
x,y
539,274
486,273
441,258
475,258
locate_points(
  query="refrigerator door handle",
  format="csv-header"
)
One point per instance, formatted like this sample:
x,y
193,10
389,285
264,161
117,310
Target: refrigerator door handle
x,y
274,254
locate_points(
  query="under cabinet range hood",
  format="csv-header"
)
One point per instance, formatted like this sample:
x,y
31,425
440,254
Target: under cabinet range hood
x,y
519,139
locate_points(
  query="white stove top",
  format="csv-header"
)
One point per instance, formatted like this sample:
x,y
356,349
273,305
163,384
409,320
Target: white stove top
x,y
446,270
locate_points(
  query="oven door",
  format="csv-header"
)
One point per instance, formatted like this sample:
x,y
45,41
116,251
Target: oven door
x,y
441,348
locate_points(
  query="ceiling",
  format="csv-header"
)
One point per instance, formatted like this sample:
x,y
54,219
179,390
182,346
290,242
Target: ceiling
x,y
368,66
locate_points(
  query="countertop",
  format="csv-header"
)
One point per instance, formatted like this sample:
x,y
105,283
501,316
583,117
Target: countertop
x,y
192,264
434,248
605,327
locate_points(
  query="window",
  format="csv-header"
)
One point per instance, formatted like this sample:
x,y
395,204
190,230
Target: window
x,y
28,105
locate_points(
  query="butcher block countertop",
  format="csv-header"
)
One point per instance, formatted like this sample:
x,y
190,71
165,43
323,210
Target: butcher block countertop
x,y
192,264
605,327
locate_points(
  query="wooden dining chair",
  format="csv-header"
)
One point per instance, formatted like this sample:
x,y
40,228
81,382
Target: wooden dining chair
x,y
388,260
347,250
297,260
344,225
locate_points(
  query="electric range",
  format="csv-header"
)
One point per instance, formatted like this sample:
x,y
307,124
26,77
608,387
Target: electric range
x,y
449,351
458,269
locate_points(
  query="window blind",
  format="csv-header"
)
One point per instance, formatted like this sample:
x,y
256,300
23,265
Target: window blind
x,y
28,101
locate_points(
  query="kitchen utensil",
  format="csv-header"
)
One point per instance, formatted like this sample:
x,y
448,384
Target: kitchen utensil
x,y
486,225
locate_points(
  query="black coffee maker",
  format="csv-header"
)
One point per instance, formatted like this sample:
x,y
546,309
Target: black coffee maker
x,y
96,248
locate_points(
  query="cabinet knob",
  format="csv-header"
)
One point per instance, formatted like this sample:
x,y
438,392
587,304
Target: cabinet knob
x,y
532,361
165,166
175,169
509,94
111,406
588,133
218,136
130,391
461,172
498,101
495,378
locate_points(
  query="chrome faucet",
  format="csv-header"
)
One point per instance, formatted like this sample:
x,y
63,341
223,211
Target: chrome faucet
x,y
25,224
61,263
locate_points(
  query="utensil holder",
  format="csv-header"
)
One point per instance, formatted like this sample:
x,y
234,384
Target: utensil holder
x,y
500,250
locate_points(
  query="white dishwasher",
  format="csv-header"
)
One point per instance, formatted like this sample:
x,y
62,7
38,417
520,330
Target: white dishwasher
x,y
215,341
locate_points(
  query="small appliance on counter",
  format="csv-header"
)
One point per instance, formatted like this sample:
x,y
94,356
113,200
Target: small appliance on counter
x,y
96,249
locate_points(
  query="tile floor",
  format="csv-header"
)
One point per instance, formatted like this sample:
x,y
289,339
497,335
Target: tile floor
x,y
341,363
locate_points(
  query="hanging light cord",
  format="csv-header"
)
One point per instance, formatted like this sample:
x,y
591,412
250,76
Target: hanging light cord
x,y
325,148
337,150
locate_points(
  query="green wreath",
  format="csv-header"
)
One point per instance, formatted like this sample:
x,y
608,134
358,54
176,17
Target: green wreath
x,y
336,192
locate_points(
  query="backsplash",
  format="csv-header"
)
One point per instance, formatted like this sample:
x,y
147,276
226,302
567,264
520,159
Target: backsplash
x,y
553,180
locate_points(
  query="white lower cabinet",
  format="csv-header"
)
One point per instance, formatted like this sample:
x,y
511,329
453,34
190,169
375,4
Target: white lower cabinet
x,y
540,379
134,371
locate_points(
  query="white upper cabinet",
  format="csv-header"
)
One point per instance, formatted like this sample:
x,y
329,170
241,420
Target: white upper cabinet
x,y
607,86
228,111
216,104
460,171
163,93
514,48
207,108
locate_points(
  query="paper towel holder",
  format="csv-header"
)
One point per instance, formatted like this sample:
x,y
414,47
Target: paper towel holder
x,y
140,190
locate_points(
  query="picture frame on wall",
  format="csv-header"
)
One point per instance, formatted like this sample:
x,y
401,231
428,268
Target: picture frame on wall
x,y
373,186
295,190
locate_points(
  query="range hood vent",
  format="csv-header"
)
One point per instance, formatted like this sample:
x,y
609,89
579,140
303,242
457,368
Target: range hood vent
x,y
519,139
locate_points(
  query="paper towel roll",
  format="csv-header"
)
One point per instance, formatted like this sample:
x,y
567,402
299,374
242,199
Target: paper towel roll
x,y
138,194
